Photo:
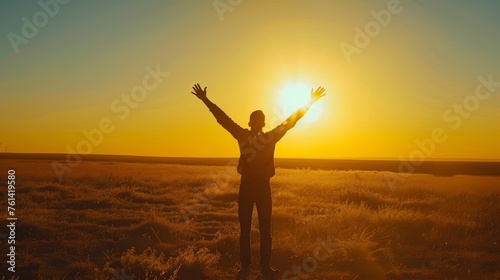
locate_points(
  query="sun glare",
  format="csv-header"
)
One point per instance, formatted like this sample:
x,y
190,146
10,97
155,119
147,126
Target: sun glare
x,y
295,95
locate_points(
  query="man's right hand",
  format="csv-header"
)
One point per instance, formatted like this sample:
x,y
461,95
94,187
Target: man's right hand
x,y
198,92
317,95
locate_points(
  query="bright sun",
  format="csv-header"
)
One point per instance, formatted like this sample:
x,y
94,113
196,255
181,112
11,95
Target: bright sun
x,y
295,95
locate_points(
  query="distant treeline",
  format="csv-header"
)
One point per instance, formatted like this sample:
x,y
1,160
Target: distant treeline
x,y
439,168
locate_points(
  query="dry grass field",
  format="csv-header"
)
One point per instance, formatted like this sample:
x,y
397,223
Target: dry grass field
x,y
117,220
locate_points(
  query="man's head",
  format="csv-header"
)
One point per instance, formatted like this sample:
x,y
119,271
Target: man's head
x,y
257,120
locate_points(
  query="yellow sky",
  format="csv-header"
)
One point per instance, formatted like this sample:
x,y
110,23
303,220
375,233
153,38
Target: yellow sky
x,y
382,100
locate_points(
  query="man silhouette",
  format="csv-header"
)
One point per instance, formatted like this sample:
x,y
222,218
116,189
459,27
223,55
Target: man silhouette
x,y
256,166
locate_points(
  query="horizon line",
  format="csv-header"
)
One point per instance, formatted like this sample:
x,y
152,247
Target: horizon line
x,y
279,158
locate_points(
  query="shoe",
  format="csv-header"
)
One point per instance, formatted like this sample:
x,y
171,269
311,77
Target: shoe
x,y
270,273
243,272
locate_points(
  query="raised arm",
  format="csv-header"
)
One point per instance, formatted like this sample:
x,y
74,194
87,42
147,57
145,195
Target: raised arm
x,y
297,115
221,117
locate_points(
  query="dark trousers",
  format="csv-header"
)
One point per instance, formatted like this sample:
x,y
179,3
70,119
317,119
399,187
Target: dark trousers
x,y
255,191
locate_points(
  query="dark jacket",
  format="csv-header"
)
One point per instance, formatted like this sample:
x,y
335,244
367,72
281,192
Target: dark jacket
x,y
256,152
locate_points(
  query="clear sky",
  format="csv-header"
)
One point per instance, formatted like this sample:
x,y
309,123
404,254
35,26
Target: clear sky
x,y
394,90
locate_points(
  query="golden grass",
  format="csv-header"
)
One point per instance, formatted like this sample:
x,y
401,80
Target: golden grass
x,y
165,221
